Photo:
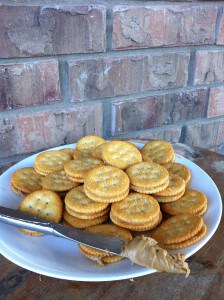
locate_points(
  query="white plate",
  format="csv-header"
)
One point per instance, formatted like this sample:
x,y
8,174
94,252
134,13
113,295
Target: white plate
x,y
59,258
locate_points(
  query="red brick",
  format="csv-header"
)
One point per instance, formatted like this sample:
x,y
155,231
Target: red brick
x,y
114,76
220,40
170,134
31,132
216,102
209,65
44,30
207,134
153,111
146,26
29,83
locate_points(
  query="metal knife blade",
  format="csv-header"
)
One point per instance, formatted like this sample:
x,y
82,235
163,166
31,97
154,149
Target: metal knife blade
x,y
24,220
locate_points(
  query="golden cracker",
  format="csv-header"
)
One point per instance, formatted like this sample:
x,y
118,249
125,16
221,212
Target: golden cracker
x,y
202,211
58,181
148,190
18,192
159,151
101,261
172,158
106,200
108,230
89,142
98,151
87,215
167,199
106,181
51,161
137,227
176,186
44,204
26,180
69,151
197,237
146,159
147,175
81,223
31,232
78,201
76,169
179,169
111,259
136,208
121,154
76,179
40,171
82,153
178,229
191,202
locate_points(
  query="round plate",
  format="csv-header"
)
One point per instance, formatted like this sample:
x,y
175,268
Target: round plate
x,y
60,258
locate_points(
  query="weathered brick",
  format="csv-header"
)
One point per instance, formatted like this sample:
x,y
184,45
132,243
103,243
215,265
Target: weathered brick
x,y
163,25
220,39
30,132
114,76
209,65
153,111
205,134
216,102
60,29
170,134
29,83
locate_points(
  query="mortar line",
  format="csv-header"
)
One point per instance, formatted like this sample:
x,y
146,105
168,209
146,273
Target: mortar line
x,y
218,23
109,29
170,126
16,158
182,134
104,2
106,118
111,54
207,101
191,68
67,104
64,81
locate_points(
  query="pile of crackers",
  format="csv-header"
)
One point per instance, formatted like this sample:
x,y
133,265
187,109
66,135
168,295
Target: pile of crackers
x,y
113,188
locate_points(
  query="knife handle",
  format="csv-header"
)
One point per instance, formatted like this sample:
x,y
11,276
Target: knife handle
x,y
21,219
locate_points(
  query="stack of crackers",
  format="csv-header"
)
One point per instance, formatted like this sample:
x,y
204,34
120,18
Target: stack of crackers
x,y
81,211
116,189
103,257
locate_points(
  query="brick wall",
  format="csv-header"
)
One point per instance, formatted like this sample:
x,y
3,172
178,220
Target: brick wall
x,y
150,69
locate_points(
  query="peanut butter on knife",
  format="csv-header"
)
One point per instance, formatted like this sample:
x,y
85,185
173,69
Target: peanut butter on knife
x,y
145,251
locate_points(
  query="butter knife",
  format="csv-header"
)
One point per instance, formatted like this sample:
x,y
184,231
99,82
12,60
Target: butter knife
x,y
24,220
